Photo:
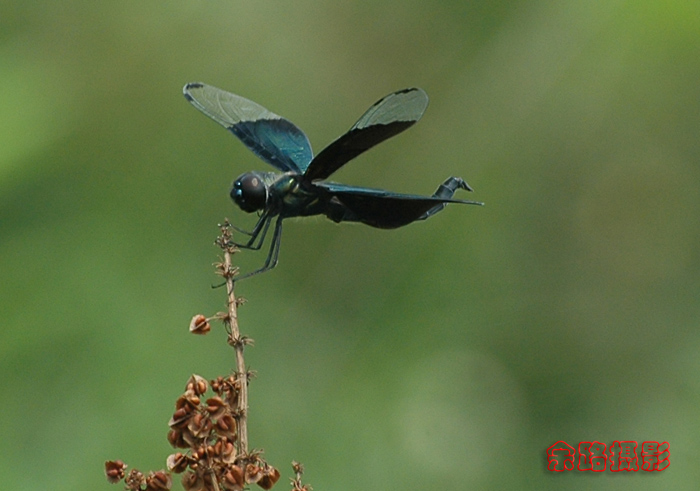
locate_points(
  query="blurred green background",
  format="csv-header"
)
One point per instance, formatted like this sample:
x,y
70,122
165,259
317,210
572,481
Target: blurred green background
x,y
445,355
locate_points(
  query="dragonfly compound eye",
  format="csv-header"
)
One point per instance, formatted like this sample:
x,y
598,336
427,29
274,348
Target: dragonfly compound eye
x,y
249,192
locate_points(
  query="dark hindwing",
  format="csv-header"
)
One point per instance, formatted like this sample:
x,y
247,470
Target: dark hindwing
x,y
380,208
386,118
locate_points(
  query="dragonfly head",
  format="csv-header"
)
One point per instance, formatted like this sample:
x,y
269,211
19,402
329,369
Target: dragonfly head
x,y
249,192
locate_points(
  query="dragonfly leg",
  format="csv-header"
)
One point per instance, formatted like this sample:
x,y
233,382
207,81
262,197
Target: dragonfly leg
x,y
273,255
242,231
257,234
446,190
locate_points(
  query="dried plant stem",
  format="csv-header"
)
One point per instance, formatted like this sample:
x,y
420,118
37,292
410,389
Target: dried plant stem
x,y
215,484
211,433
238,342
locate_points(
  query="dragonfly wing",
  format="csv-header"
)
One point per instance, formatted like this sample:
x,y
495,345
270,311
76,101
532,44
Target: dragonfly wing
x,y
381,208
386,118
274,139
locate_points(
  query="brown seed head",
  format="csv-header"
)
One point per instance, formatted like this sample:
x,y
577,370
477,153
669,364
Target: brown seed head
x,y
199,325
197,384
177,462
216,407
192,482
233,479
226,426
269,478
158,481
114,470
224,451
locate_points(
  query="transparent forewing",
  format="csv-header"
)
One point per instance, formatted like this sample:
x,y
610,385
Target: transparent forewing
x,y
274,139
386,118
405,105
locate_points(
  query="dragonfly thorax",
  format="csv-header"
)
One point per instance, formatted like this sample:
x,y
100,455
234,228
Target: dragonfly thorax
x,y
249,192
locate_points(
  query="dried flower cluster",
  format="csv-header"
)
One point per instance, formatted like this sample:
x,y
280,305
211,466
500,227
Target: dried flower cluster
x,y
155,481
213,432
208,430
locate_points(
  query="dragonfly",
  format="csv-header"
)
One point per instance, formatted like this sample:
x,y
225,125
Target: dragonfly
x,y
300,188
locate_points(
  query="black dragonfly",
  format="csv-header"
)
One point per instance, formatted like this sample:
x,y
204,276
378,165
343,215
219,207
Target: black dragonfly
x,y
301,189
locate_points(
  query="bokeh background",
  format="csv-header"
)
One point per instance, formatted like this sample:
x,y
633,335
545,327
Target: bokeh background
x,y
446,355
